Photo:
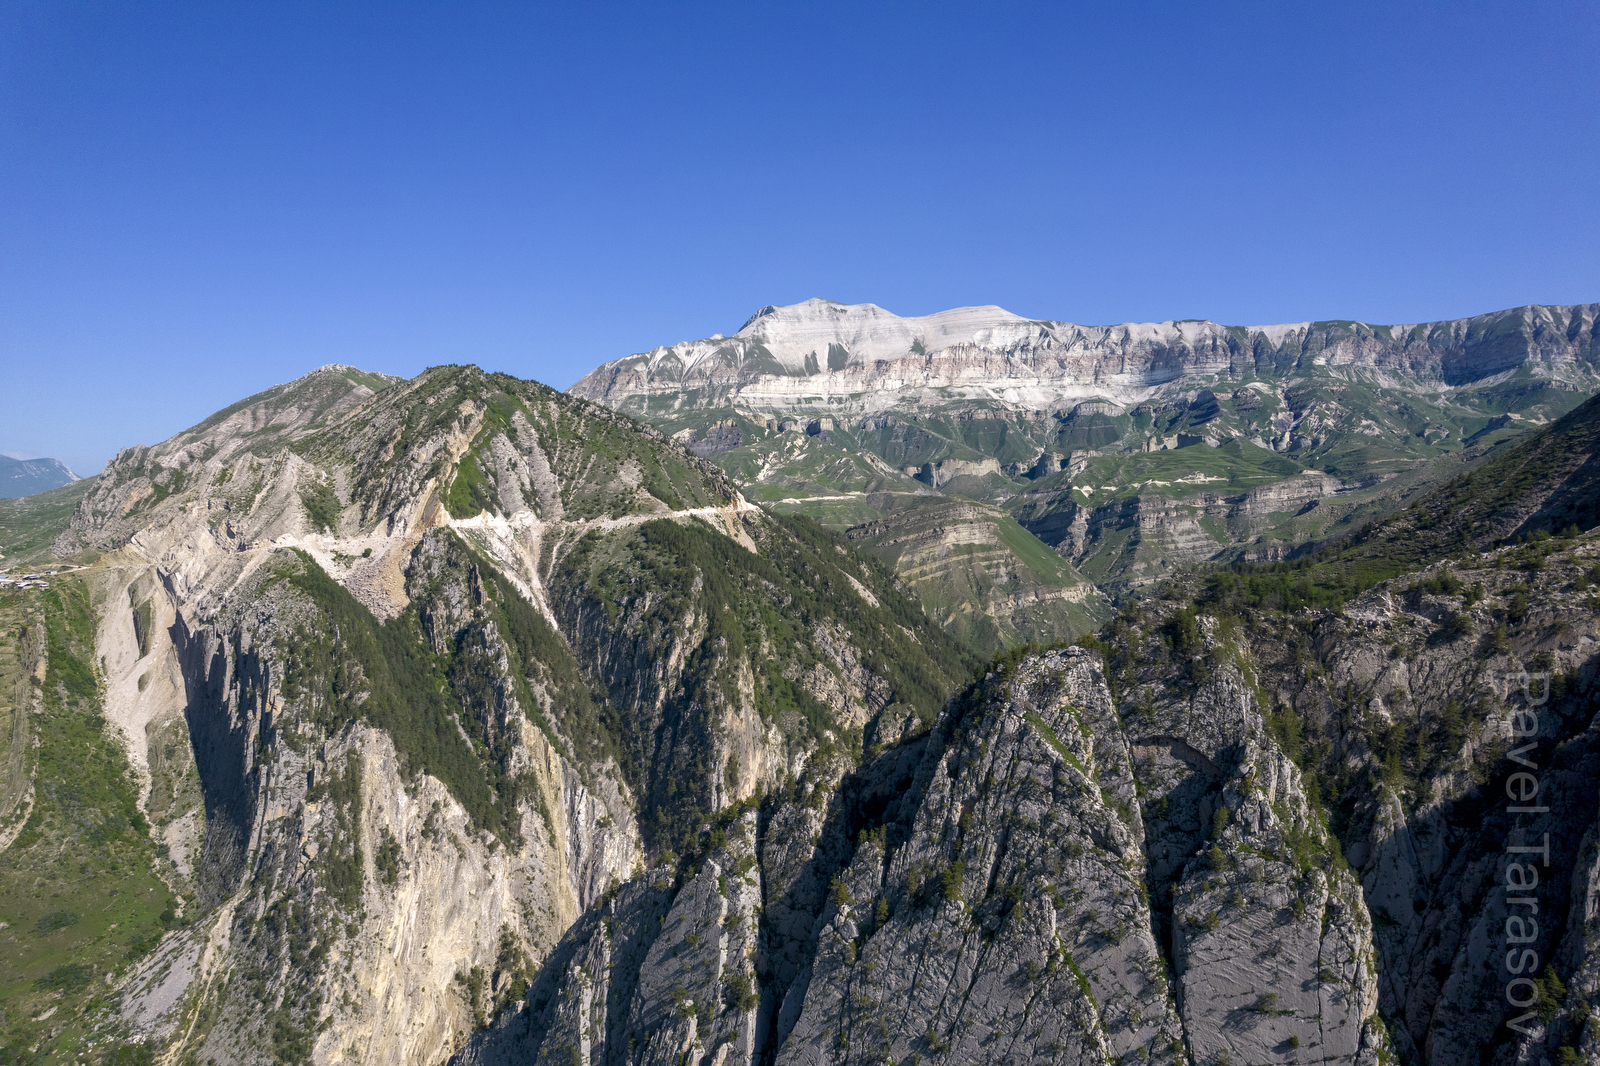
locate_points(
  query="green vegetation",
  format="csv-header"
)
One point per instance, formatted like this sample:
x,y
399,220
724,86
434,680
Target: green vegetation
x,y
590,448
538,653
760,608
976,571
1049,735
340,865
321,504
77,888
416,696
469,492
950,881
1489,502
1078,975
405,687
739,992
1233,466
30,524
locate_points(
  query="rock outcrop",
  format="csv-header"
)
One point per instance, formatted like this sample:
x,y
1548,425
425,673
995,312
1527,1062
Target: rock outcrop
x,y
463,720
1034,879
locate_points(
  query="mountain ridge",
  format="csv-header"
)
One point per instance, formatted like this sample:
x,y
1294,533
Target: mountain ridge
x,y
468,721
817,339
25,477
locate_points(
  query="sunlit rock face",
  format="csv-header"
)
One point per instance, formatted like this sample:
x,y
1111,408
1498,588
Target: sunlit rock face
x,y
872,359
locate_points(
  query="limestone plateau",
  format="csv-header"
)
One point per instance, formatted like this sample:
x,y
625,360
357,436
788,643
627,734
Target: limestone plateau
x,y
461,720
864,358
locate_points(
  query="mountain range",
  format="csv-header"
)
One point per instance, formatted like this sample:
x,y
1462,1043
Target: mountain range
x,y
458,719
1130,450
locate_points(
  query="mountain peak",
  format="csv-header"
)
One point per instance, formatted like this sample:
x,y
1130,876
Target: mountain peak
x,y
833,315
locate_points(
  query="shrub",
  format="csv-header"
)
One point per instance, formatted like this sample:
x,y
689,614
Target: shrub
x,y
387,859
68,978
739,992
950,880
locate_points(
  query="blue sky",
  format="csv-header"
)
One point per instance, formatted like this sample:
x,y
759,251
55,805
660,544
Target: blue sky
x,y
198,201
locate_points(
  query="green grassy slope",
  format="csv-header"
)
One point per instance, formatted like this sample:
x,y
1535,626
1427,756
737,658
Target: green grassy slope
x,y
30,524
78,893
976,571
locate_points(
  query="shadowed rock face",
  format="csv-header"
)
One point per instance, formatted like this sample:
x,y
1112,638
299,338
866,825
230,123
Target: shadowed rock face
x,y
1057,873
983,893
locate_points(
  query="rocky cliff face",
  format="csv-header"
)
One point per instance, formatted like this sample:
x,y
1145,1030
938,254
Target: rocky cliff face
x,y
407,681
1261,832
1413,709
783,356
1037,878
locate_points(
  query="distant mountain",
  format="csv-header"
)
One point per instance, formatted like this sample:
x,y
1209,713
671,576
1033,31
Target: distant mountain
x,y
24,477
1546,484
859,357
1131,450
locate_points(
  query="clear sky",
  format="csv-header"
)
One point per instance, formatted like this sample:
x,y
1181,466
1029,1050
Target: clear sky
x,y
200,200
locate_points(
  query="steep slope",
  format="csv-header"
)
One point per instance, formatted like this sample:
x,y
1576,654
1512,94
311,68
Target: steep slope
x,y
1419,711
24,477
405,681
1410,711
1547,483
80,891
1130,449
978,573
989,890
481,722
1261,833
